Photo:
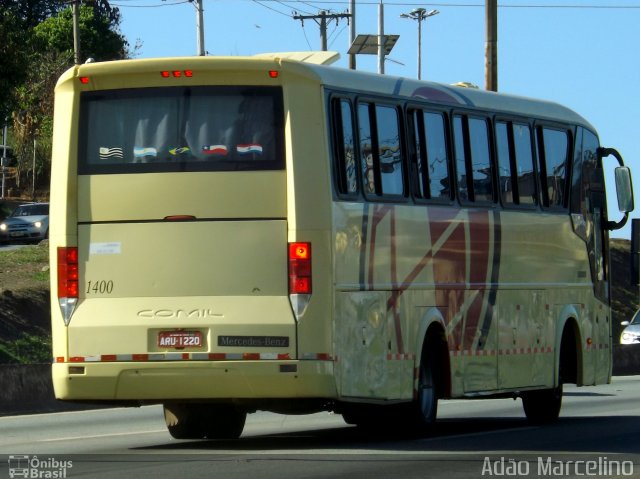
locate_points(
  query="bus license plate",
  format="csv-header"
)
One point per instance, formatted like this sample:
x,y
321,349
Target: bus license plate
x,y
179,339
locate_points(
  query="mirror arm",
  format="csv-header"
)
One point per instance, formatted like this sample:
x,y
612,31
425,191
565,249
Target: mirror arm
x,y
616,225
604,152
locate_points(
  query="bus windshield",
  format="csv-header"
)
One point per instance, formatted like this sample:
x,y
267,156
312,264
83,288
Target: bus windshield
x,y
181,129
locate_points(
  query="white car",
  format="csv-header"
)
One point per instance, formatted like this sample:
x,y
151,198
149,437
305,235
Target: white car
x,y
631,333
28,222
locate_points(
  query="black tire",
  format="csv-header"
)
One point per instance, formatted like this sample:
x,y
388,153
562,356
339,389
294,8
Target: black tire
x,y
424,409
200,421
183,421
543,406
223,422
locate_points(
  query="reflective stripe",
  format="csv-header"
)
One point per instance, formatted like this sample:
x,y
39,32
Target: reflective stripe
x,y
501,352
176,356
401,357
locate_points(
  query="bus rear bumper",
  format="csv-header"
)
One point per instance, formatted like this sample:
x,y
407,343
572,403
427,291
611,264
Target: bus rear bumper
x,y
196,380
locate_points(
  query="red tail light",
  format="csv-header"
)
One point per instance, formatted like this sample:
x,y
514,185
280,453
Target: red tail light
x,y
68,272
176,73
300,268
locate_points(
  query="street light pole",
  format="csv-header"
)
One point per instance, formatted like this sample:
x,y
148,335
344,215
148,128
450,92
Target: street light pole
x,y
419,14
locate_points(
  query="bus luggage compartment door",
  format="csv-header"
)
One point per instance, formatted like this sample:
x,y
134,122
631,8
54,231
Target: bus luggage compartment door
x,y
141,281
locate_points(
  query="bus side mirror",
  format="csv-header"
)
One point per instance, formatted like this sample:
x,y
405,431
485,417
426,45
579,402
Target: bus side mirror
x,y
635,251
624,189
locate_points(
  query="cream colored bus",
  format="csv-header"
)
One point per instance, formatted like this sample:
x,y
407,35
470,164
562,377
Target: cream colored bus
x,y
273,233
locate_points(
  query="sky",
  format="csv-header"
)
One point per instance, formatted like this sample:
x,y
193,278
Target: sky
x,y
584,54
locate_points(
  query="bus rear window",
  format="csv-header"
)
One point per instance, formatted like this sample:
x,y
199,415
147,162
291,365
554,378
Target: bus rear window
x,y
181,129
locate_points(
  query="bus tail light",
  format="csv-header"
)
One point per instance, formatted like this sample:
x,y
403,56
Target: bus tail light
x,y
67,281
300,286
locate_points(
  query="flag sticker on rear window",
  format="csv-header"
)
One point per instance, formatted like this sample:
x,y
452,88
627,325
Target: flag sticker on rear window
x,y
140,152
249,148
180,151
109,153
217,150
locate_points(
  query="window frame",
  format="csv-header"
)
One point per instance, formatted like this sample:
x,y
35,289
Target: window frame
x,y
416,178
337,147
488,118
278,163
541,164
510,121
379,195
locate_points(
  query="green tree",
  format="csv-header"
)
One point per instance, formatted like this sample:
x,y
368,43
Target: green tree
x,y
45,52
99,35
13,39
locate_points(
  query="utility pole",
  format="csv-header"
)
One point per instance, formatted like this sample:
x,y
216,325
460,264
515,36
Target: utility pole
x,y
321,20
33,179
352,33
4,154
381,39
491,45
200,27
76,32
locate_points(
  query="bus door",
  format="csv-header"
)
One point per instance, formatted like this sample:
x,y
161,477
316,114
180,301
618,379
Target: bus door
x,y
590,212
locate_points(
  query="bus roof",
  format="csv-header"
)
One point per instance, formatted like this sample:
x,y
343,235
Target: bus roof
x,y
447,95
315,65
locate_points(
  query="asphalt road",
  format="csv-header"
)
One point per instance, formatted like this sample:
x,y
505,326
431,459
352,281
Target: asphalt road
x,y
598,436
9,247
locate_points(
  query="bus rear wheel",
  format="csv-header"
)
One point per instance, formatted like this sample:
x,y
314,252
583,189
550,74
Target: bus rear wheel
x,y
200,421
542,407
424,409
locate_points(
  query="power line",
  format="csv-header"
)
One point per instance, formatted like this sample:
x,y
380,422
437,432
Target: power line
x,y
262,3
474,5
321,19
270,8
159,5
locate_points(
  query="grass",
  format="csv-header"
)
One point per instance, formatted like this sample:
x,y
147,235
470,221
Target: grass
x,y
25,268
25,336
27,349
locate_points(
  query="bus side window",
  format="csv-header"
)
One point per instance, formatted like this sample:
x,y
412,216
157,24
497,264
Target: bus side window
x,y
465,191
524,164
481,160
420,172
389,151
506,160
473,159
369,171
432,158
554,150
346,175
437,156
381,157
515,164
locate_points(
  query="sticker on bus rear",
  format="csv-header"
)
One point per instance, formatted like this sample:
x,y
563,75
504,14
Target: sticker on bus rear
x,y
105,248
